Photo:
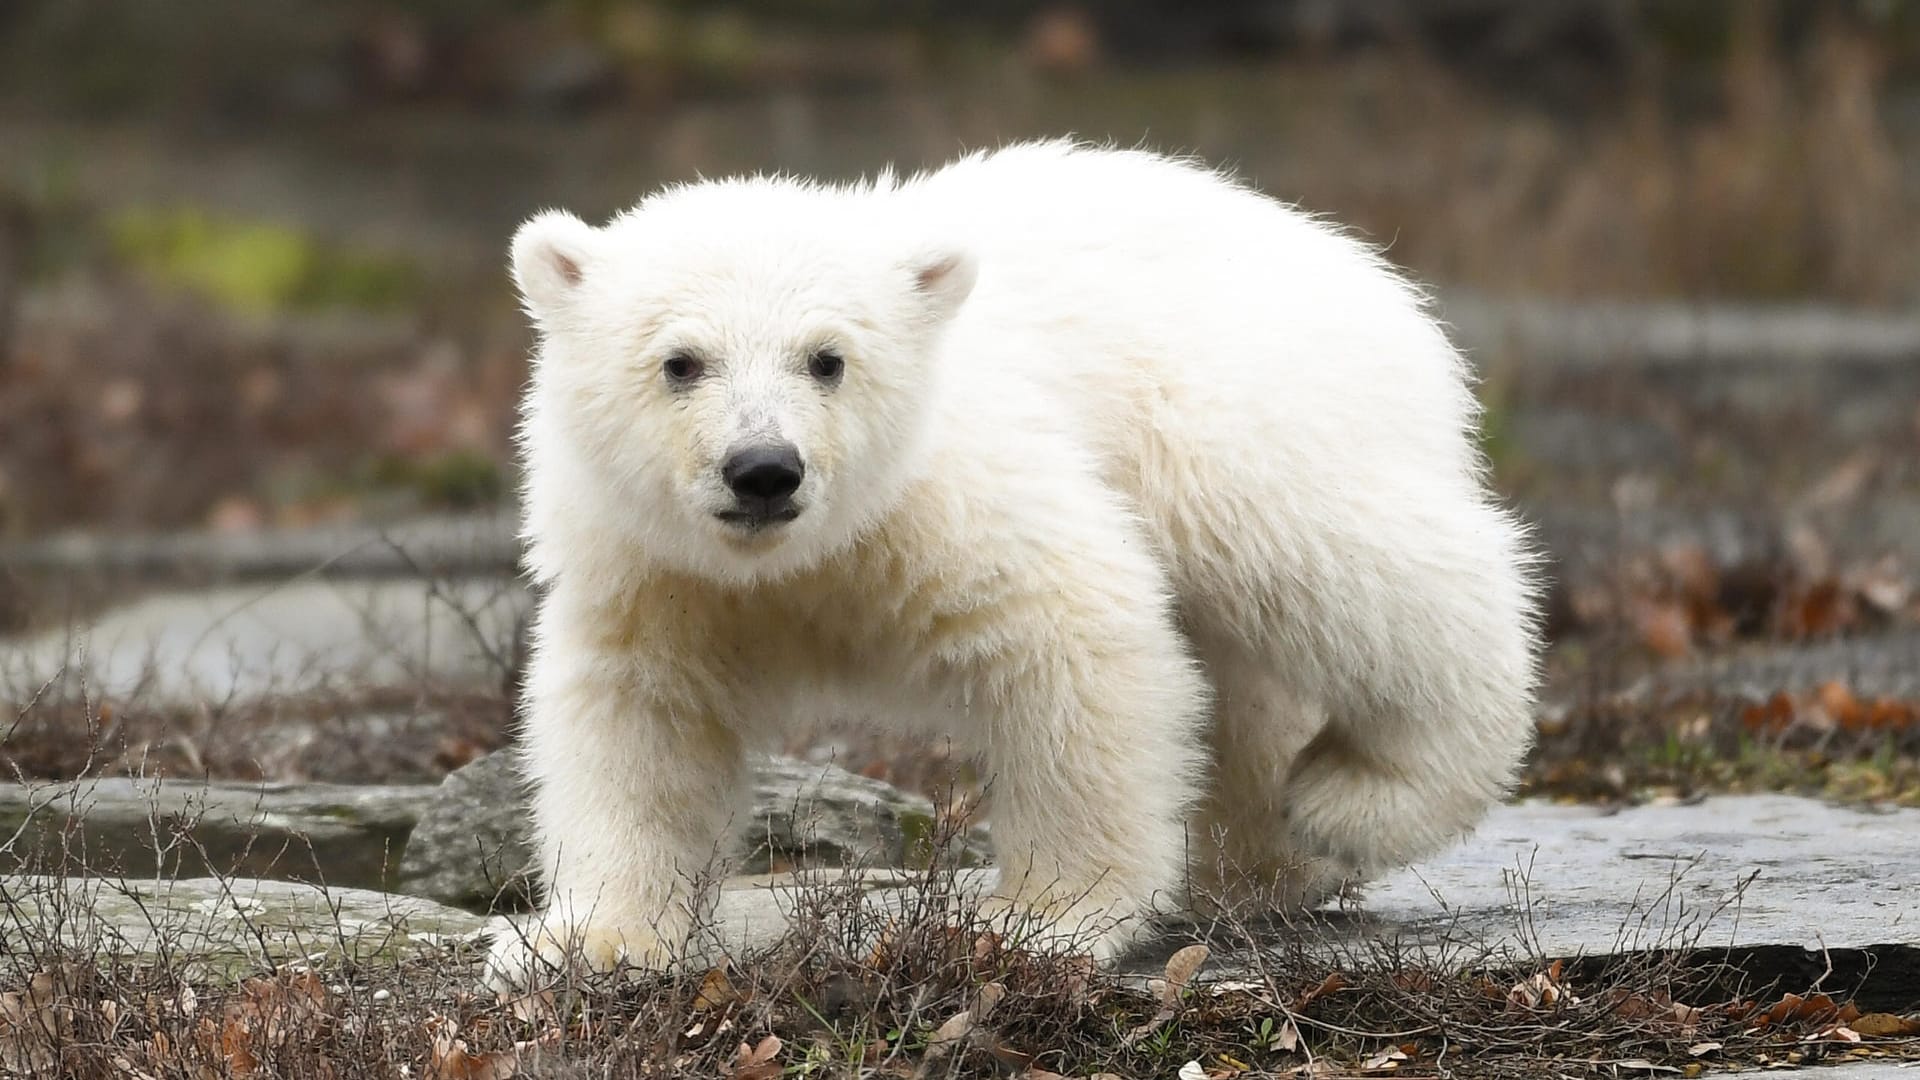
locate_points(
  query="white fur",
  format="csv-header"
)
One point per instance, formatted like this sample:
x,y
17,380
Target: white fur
x,y
1158,495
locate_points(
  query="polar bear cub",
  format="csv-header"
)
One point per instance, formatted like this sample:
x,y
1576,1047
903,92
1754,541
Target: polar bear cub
x,y
1158,496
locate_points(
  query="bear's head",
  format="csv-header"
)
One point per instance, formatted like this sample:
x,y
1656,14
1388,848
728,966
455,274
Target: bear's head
x,y
735,375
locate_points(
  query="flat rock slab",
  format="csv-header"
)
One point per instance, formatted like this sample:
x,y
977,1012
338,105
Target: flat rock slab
x,y
471,846
1538,878
230,926
239,642
460,842
1733,871
345,834
453,545
1757,873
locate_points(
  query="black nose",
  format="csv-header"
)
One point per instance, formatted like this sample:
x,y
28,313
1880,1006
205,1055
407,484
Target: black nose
x,y
770,471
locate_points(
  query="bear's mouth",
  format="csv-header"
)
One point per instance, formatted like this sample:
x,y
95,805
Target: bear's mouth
x,y
758,519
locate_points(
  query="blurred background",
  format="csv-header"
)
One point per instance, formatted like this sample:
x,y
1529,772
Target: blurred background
x,y
259,356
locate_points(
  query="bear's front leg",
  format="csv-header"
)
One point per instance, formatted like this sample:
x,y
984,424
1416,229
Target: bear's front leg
x,y
635,784
1093,747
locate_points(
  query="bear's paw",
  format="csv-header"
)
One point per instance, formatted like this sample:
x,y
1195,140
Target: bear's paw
x,y
1059,928
525,957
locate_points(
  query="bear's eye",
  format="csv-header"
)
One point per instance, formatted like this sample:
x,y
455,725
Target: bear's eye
x,y
683,367
826,365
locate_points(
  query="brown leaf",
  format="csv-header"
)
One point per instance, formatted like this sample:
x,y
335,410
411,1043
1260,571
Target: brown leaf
x,y
1886,1025
1332,984
534,1007
1772,716
1181,968
1665,628
1542,988
756,1062
1841,707
957,1027
1385,1061
1817,610
716,991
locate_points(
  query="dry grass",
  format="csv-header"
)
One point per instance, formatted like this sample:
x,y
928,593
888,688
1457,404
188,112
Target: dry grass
x,y
923,989
1787,183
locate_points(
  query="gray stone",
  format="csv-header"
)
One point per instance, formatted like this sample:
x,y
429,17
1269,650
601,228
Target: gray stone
x,y
1737,870
227,925
1708,337
470,846
1883,665
1564,881
1770,875
1851,1070
235,643
458,545
823,815
346,835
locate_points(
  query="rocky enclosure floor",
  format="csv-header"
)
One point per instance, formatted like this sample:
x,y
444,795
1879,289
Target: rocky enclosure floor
x,y
210,725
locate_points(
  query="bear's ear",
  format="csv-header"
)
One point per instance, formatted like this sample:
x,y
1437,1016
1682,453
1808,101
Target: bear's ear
x,y
551,255
945,277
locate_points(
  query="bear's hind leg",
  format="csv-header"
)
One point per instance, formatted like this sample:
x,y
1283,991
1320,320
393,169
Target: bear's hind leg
x,y
1373,804
1241,857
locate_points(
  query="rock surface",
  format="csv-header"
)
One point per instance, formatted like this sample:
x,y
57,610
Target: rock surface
x,y
456,545
345,834
461,842
1792,882
239,643
230,925
470,847
1728,872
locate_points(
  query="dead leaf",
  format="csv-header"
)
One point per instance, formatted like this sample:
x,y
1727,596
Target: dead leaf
x,y
1812,1009
1883,586
956,1028
716,991
534,1007
1181,968
1702,1049
1332,984
756,1062
1665,628
1686,1016
1886,1025
987,1000
1385,1061
1542,988
1819,609
1841,706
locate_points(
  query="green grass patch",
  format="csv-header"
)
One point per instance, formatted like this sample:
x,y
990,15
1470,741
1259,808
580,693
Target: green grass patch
x,y
260,267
